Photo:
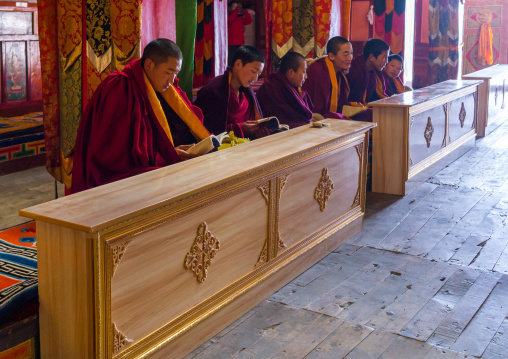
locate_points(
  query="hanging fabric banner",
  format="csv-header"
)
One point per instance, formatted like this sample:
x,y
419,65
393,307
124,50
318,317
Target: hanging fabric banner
x,y
389,23
322,10
186,23
203,53
81,42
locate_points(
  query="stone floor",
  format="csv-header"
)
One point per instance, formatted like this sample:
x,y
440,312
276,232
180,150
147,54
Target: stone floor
x,y
426,278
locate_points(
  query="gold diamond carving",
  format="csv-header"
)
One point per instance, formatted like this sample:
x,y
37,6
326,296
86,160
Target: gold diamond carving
x,y
203,250
462,115
117,254
263,256
429,131
119,340
323,189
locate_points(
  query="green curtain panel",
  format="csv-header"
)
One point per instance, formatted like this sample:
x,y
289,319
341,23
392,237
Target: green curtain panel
x,y
186,23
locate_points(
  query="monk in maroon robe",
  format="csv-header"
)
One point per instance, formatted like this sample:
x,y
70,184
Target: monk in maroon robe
x,y
227,101
326,81
391,75
281,94
138,120
365,78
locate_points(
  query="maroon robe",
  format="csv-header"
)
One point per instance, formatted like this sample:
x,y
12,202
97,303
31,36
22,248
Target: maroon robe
x,y
320,90
277,97
119,135
213,100
363,83
390,87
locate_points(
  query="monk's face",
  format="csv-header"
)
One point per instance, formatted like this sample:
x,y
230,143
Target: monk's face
x,y
393,68
380,61
163,75
297,78
342,59
248,73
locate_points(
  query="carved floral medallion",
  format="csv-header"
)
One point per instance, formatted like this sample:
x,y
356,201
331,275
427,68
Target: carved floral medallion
x,y
462,115
429,131
265,191
323,189
203,250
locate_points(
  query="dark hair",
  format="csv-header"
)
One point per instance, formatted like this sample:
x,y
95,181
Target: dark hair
x,y
334,44
396,57
375,47
247,54
291,61
159,50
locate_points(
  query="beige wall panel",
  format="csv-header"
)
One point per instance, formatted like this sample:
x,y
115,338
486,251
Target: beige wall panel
x,y
300,213
461,117
151,281
426,138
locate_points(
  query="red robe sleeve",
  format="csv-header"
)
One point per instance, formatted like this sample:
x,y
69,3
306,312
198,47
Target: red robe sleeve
x,y
118,137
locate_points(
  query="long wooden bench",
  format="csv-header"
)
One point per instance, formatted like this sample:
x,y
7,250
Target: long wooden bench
x,y
156,264
492,95
418,128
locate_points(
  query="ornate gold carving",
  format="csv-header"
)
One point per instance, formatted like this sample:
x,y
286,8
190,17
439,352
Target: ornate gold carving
x,y
202,252
265,191
323,189
119,339
495,97
282,183
429,131
462,115
282,245
117,254
411,121
359,152
263,256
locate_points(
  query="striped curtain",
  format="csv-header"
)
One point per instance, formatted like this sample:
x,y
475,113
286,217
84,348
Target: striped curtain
x,y
389,23
443,40
203,53
81,42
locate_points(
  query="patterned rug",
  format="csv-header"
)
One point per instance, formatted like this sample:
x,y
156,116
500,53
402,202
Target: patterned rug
x,y
29,123
21,136
18,269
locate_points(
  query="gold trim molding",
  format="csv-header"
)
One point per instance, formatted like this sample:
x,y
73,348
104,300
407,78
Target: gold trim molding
x,y
119,340
323,189
203,250
265,191
117,254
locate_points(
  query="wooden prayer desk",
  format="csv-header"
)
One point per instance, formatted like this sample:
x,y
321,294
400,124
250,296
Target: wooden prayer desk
x,y
418,128
492,93
158,263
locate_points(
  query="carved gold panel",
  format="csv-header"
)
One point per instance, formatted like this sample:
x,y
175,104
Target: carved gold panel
x,y
323,189
427,134
203,250
120,341
117,254
462,116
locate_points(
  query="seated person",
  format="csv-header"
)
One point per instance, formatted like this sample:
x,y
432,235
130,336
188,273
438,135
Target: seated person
x,y
391,73
137,120
365,78
281,94
326,81
227,101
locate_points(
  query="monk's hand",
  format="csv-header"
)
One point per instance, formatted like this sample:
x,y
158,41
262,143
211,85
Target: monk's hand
x,y
250,127
182,152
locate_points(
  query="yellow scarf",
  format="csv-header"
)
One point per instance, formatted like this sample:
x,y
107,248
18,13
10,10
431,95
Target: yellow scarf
x,y
179,106
398,85
335,86
379,86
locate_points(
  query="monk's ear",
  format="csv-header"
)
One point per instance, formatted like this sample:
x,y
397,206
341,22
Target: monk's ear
x,y
148,65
